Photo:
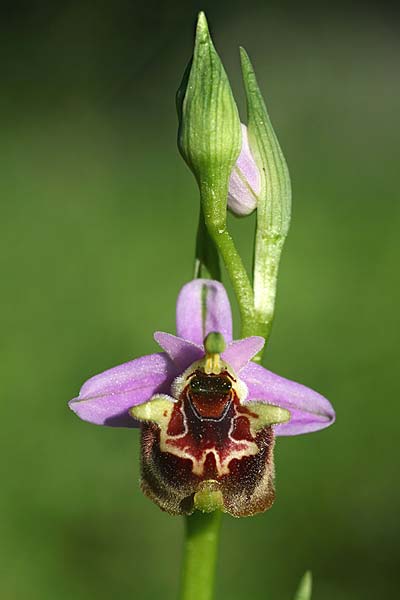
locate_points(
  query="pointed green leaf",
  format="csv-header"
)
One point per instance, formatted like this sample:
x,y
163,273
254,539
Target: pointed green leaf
x,y
305,587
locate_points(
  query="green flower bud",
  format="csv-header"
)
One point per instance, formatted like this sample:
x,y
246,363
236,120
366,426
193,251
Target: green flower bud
x,y
209,136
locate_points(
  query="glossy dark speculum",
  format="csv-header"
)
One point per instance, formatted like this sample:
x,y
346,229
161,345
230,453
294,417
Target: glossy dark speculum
x,y
210,395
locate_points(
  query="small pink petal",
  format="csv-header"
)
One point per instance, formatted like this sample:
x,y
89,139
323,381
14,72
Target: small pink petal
x,y
240,352
245,180
180,351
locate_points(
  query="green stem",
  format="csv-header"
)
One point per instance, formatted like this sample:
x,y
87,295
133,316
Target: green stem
x,y
238,276
200,555
207,260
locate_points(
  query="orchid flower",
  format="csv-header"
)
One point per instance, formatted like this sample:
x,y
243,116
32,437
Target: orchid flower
x,y
208,414
208,411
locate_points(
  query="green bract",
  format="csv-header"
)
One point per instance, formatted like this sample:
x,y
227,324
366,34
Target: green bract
x,y
274,201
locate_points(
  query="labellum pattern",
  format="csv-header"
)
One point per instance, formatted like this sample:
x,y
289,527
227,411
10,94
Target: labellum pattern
x,y
208,442
208,414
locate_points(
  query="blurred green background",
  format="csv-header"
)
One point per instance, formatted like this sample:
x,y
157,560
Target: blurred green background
x,y
98,216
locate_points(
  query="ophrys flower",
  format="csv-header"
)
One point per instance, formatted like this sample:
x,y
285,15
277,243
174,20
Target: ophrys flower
x,y
208,414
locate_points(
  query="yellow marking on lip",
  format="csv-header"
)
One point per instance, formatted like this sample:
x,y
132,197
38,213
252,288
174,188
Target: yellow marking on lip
x,y
212,364
157,410
265,415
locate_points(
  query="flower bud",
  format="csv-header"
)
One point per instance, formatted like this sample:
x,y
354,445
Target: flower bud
x,y
245,181
209,136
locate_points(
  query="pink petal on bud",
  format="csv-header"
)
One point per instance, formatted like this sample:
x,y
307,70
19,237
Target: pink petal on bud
x,y
245,181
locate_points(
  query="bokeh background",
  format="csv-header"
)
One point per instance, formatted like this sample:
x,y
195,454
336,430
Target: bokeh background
x,y
98,216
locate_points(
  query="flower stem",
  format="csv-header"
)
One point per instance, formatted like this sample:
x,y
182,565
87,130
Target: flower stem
x,y
238,276
207,259
200,555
